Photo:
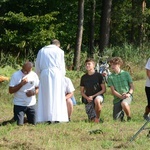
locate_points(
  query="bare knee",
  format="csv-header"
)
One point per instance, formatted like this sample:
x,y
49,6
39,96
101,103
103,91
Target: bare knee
x,y
124,104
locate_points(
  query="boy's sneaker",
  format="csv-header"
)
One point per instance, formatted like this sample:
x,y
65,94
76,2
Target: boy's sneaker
x,y
146,117
122,116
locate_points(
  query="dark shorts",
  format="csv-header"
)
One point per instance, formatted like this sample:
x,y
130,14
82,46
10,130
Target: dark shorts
x,y
147,91
90,108
20,111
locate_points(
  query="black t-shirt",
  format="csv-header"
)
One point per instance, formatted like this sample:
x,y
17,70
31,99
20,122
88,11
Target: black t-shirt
x,y
91,83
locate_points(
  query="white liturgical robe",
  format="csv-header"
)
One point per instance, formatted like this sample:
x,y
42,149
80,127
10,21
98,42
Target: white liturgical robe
x,y
50,66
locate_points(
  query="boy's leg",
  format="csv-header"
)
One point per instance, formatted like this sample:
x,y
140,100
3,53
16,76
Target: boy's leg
x,y
31,114
19,114
73,100
117,111
147,108
98,106
126,107
69,107
90,111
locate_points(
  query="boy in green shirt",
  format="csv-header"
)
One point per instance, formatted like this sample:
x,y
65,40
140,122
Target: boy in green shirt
x,y
121,86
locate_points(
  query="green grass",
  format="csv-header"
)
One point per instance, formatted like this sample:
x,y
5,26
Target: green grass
x,y
75,135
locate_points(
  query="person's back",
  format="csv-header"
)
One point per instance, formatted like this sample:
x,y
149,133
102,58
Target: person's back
x,y
50,66
51,56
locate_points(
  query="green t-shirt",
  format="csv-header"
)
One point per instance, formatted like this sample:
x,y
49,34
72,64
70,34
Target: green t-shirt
x,y
120,82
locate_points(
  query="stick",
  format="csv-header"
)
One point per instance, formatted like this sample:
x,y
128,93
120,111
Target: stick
x,y
135,135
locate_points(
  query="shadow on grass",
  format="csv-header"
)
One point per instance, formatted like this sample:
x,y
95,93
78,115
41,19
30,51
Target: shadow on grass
x,y
11,121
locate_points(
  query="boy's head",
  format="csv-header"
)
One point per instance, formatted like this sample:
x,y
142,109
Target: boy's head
x,y
115,64
89,64
116,61
27,67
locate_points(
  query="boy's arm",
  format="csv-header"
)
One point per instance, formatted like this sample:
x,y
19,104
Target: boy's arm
x,y
88,98
148,73
69,95
16,88
100,92
131,89
115,93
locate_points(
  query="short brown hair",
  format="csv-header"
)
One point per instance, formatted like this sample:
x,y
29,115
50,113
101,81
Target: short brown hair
x,y
89,60
116,60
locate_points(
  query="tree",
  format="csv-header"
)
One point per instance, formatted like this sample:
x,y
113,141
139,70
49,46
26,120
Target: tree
x,y
105,25
76,62
92,28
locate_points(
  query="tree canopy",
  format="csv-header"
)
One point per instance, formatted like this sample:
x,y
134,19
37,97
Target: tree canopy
x,y
26,26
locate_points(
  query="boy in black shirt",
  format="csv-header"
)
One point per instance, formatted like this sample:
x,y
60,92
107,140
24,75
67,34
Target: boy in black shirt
x,y
92,87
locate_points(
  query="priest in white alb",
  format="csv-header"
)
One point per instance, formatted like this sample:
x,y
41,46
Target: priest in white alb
x,y
50,67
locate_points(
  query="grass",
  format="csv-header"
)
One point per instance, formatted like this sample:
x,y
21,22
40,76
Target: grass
x,y
76,134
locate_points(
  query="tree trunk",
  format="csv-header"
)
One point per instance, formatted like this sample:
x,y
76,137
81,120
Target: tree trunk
x,y
142,30
92,28
132,38
105,25
76,62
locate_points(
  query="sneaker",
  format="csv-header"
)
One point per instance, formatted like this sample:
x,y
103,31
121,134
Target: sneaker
x,y
128,118
56,122
122,117
146,117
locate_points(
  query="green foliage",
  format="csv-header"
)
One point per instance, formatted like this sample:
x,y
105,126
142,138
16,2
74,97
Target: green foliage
x,y
26,33
29,25
129,53
8,71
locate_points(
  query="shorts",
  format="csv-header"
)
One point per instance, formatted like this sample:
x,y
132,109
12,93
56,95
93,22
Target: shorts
x,y
117,108
20,111
90,108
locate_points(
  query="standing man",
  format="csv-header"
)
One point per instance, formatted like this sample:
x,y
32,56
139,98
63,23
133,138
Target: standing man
x,y
24,85
92,88
50,66
147,91
121,85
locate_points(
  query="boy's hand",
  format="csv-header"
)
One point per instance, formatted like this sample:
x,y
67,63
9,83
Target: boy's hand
x,y
24,81
90,99
30,93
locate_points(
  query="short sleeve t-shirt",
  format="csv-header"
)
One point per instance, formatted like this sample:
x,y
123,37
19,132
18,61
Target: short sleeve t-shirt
x,y
20,97
147,66
69,88
91,83
120,82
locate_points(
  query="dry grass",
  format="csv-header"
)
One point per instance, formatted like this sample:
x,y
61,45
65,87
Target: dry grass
x,y
76,134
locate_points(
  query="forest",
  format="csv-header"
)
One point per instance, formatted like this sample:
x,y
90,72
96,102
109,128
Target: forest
x,y
85,28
